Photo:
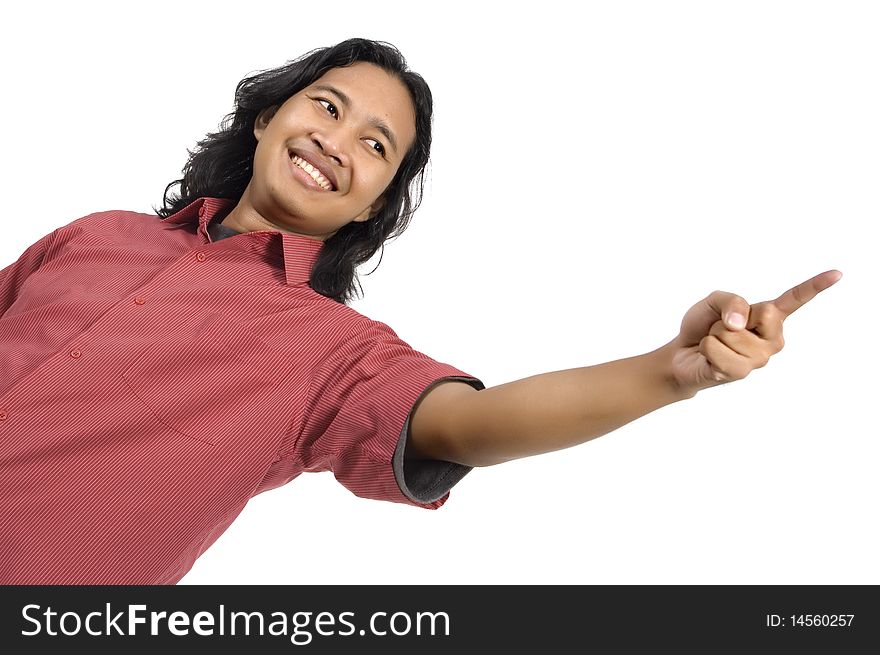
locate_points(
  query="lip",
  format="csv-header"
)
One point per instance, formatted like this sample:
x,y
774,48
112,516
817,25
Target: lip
x,y
317,162
304,178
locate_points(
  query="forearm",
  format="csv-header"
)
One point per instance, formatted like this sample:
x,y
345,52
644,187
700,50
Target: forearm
x,y
561,409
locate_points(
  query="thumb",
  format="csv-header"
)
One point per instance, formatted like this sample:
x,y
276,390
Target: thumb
x,y
733,309
736,316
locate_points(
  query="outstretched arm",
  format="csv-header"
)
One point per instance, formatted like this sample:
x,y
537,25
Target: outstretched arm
x,y
541,413
550,411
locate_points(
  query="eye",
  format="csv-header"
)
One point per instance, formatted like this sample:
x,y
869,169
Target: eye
x,y
334,111
381,149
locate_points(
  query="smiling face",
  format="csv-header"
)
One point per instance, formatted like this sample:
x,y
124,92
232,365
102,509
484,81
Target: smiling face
x,y
355,124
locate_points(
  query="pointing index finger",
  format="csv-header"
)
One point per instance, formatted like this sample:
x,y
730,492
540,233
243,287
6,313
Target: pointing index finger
x,y
798,296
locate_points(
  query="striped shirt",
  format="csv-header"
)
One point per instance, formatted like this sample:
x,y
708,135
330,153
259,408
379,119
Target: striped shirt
x,y
157,374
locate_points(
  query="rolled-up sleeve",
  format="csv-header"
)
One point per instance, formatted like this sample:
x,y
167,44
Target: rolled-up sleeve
x,y
358,413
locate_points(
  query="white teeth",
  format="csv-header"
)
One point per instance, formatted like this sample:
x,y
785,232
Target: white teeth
x,y
314,172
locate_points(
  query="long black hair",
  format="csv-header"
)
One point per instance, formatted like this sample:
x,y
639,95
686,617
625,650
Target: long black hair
x,y
222,164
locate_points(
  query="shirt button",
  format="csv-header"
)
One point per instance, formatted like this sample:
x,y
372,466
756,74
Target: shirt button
x,y
201,256
74,353
2,416
140,301
202,210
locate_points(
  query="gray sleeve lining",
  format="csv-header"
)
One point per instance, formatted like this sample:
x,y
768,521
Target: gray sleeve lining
x,y
427,480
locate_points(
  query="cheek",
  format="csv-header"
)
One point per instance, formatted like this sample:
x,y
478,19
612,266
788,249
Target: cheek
x,y
372,182
387,179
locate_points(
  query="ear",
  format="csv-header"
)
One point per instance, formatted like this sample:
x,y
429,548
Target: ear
x,y
371,211
263,119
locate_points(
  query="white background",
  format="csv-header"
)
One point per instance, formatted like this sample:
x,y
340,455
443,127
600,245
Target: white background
x,y
597,169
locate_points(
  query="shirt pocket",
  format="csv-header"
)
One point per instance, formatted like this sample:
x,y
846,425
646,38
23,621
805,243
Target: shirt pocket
x,y
215,384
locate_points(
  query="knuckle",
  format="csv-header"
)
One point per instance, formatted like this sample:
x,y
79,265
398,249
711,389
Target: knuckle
x,y
704,344
766,314
759,311
772,313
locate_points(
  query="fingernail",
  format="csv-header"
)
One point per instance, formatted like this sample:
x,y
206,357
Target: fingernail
x,y
736,320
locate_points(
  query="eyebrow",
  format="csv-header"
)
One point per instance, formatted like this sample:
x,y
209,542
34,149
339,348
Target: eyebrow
x,y
372,120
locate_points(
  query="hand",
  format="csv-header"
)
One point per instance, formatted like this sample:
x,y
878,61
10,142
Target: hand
x,y
711,349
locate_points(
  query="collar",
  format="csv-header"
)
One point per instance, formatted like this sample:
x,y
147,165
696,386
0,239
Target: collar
x,y
299,252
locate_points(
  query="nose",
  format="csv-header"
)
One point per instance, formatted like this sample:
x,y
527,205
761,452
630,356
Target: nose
x,y
329,145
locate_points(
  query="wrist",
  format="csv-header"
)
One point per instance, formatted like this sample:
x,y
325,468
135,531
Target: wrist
x,y
664,357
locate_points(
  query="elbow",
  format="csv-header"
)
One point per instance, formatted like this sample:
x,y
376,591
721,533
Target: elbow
x,y
489,461
455,424
475,454
470,436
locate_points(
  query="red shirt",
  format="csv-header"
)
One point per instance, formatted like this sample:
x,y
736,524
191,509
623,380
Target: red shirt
x,y
153,380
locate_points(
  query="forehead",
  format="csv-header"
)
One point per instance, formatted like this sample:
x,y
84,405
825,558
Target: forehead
x,y
375,93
